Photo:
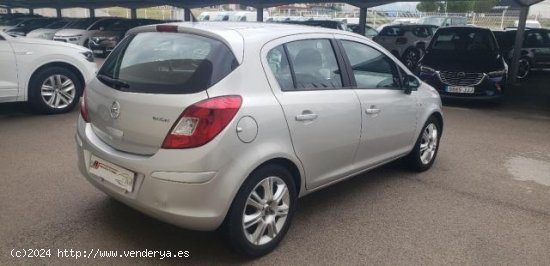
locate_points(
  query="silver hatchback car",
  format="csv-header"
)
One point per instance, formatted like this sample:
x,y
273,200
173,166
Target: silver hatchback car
x,y
220,125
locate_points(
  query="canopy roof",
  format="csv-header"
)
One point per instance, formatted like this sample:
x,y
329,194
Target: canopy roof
x,y
191,3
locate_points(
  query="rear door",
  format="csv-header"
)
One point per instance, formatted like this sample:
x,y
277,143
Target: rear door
x,y
148,81
8,73
389,114
323,116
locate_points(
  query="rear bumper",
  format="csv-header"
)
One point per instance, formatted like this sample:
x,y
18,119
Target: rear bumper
x,y
194,200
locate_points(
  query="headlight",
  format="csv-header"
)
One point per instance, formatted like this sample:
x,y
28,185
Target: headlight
x,y
497,74
426,70
89,56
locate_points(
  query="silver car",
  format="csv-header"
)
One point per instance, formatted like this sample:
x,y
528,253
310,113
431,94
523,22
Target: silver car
x,y
225,125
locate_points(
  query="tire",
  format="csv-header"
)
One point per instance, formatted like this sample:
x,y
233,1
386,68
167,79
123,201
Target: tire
x,y
233,229
415,159
411,57
48,83
524,67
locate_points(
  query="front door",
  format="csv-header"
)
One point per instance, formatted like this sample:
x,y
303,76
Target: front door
x,y
324,119
389,114
8,75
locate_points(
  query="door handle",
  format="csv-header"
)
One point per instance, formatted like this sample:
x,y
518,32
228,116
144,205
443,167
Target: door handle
x,y
306,116
372,110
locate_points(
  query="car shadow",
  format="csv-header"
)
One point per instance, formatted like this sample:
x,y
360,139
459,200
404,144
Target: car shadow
x,y
145,232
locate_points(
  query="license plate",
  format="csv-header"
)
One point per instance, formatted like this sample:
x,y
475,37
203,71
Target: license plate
x,y
114,174
460,89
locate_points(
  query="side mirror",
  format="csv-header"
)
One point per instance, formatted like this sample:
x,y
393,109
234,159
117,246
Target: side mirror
x,y
410,83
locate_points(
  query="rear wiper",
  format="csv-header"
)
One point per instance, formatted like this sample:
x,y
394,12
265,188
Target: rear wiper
x,y
116,83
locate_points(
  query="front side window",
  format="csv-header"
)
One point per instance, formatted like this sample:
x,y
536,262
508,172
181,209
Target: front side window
x,y
314,64
371,68
170,63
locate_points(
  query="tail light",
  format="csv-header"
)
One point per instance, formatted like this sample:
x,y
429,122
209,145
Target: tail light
x,y
401,40
84,107
202,122
167,28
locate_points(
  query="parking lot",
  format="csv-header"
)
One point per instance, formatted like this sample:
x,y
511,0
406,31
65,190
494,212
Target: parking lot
x,y
486,200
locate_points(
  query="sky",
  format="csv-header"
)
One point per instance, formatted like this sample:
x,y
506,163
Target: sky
x,y
541,9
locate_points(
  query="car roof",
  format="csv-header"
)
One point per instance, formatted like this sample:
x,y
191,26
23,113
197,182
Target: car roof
x,y
236,34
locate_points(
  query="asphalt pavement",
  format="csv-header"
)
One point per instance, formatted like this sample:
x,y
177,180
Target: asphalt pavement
x,y
486,201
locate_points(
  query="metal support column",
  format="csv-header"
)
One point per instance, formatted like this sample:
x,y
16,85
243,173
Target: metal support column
x,y
260,14
513,71
8,9
92,12
362,20
133,13
31,11
186,14
59,13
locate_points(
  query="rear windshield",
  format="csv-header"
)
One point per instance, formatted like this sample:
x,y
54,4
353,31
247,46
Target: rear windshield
x,y
167,63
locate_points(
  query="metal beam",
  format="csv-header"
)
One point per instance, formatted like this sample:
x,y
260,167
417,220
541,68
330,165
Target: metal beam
x,y
59,13
513,72
133,13
362,20
260,14
186,14
92,12
31,11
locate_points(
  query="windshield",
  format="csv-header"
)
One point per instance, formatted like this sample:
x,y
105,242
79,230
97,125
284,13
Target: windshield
x,y
121,25
81,24
464,40
56,25
437,21
11,22
35,23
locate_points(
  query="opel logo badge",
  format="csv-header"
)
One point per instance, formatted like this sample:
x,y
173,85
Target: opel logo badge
x,y
115,110
461,74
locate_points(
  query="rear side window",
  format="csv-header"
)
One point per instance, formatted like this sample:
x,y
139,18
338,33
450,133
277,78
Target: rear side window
x,y
314,64
168,63
278,62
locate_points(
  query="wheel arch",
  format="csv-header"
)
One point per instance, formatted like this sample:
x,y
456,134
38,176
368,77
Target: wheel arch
x,y
65,65
439,118
290,166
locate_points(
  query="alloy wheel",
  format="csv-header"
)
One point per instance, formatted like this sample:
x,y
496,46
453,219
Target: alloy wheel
x,y
58,91
523,68
428,143
266,210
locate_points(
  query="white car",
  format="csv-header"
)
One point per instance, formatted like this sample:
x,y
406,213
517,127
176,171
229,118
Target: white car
x,y
81,31
50,75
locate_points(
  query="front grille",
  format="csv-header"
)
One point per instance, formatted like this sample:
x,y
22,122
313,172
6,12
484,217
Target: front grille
x,y
460,78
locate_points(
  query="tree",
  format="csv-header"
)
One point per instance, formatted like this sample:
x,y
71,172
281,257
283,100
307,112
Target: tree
x,y
429,6
457,6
